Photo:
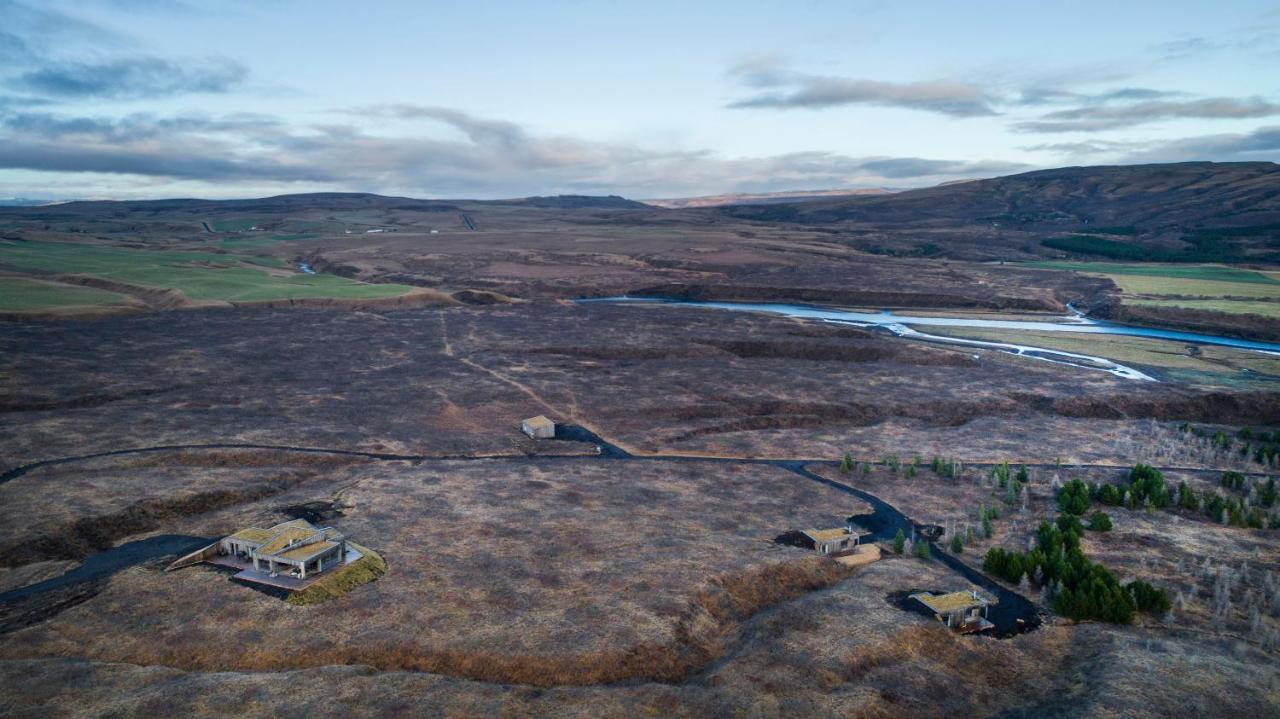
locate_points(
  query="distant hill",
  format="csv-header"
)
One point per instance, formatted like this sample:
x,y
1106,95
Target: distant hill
x,y
574,202
335,201
764,198
22,202
1191,211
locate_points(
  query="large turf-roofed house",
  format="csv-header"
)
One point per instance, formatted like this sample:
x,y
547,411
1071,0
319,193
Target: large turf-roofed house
x,y
964,612
296,547
288,555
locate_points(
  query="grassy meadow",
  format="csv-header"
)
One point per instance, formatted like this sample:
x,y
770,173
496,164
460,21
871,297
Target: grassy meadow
x,y
22,294
199,276
1216,288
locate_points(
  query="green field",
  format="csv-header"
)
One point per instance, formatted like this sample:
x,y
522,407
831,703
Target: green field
x,y
1165,287
20,294
200,276
1214,288
1247,307
233,225
1217,273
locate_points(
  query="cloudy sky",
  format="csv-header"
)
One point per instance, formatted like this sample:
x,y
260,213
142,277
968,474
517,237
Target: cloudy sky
x,y
164,98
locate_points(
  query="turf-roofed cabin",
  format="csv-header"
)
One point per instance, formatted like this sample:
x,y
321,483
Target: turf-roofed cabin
x,y
831,541
296,547
964,612
289,555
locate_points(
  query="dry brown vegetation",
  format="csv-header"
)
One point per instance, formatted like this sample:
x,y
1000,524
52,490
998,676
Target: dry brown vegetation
x,y
523,583
630,572
457,381
1225,581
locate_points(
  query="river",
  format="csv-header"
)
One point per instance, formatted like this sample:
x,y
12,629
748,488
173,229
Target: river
x,y
904,326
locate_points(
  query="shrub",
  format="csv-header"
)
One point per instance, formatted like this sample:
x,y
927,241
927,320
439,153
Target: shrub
x,y
1073,498
1004,564
1147,483
1109,494
1100,522
921,550
1070,524
1000,473
1148,598
1187,498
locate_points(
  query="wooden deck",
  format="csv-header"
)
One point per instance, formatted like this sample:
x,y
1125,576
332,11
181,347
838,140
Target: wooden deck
x,y
974,627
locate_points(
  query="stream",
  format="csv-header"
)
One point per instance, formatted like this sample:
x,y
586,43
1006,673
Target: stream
x,y
904,326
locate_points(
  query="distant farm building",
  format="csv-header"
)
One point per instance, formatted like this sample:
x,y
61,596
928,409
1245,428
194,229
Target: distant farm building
x,y
289,555
539,427
965,612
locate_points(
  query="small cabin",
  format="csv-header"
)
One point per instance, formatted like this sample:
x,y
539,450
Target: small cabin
x,y
539,427
964,612
831,541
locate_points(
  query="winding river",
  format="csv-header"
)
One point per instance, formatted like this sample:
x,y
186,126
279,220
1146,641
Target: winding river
x,y
905,326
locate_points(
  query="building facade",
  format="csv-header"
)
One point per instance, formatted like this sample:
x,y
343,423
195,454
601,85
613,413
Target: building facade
x,y
297,548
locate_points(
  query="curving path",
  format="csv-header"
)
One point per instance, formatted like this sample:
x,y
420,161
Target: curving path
x,y
1013,614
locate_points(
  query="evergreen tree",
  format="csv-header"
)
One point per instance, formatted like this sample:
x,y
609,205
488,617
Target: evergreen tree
x,y
1147,598
1187,497
1109,494
846,464
1100,522
899,542
921,550
957,546
1073,498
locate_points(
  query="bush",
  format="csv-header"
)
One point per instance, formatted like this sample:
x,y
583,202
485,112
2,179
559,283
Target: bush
x,y
1070,524
1003,564
1187,498
1148,598
1109,494
1073,498
922,551
1147,483
1100,522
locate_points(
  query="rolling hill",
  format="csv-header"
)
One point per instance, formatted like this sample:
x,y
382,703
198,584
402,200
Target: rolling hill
x,y
1194,211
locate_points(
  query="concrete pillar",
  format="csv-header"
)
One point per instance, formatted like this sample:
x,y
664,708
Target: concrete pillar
x,y
303,571
255,565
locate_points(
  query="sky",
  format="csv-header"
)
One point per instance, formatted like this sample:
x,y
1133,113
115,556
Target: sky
x,y
125,99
